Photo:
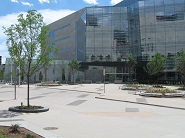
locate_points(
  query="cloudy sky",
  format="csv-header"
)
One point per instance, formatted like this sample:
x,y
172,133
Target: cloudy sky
x,y
52,10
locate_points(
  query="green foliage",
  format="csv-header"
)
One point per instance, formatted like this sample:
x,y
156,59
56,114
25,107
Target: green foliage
x,y
163,91
62,70
29,107
1,75
180,63
3,136
14,128
40,76
26,41
131,64
155,65
74,65
137,86
107,58
63,74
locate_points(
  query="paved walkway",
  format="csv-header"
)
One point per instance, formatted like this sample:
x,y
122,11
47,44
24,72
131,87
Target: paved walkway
x,y
81,111
131,96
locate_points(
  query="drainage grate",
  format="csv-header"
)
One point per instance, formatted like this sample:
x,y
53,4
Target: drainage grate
x,y
50,128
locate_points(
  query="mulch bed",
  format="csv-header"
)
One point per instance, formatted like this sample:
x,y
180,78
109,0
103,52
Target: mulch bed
x,y
5,131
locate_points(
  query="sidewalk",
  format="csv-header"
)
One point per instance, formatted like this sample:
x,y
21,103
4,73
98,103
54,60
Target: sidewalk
x,y
130,96
84,110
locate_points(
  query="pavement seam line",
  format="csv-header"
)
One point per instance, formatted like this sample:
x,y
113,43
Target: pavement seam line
x,y
141,103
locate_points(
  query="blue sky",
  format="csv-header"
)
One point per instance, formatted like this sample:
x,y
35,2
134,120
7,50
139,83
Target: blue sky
x,y
52,10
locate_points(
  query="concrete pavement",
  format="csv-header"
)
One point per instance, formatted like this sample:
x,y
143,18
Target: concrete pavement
x,y
76,113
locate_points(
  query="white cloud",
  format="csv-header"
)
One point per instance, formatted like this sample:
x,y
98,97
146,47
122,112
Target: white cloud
x,y
42,1
55,1
49,17
27,4
91,1
113,2
15,1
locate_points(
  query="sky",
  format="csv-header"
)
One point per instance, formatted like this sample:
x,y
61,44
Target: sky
x,y
51,10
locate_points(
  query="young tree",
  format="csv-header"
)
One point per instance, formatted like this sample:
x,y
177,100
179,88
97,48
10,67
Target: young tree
x,y
40,76
27,44
155,65
180,64
131,63
1,75
61,70
74,65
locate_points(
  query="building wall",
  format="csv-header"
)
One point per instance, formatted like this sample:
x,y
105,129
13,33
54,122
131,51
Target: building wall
x,y
162,28
139,27
52,72
62,35
106,33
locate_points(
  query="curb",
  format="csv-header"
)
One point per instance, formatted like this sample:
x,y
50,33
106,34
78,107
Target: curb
x,y
141,103
15,109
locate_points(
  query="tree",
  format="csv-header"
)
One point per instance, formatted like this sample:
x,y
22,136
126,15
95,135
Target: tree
x,y
1,75
107,58
180,64
27,44
40,76
155,66
74,65
61,70
131,64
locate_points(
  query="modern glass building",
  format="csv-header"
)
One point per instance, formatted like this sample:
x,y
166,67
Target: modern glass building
x,y
102,37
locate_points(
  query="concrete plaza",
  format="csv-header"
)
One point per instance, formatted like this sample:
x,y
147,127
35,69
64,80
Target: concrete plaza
x,y
84,111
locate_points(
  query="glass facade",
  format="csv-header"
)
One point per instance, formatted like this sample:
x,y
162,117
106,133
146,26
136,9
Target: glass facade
x,y
139,27
155,26
162,27
102,34
108,34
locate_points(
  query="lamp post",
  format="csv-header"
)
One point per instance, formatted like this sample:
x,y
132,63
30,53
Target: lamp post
x,y
19,75
15,81
11,70
104,79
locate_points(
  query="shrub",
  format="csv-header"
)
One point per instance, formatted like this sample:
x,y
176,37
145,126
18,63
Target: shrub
x,y
137,86
30,107
15,128
163,91
3,137
29,136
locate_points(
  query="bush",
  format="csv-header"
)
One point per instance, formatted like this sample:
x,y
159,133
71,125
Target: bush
x,y
29,136
14,128
163,91
3,137
158,86
137,86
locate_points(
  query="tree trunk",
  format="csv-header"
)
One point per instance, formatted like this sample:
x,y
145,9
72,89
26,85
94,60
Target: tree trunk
x,y
28,92
157,80
15,81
